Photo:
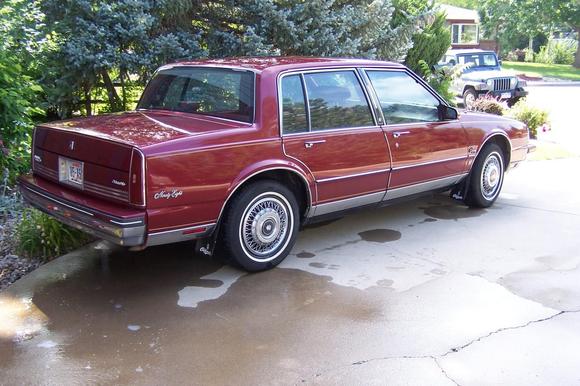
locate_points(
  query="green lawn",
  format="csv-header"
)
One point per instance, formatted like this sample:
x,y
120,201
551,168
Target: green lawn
x,y
561,71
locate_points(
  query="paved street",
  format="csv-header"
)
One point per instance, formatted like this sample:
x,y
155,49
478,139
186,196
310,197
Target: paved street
x,y
427,292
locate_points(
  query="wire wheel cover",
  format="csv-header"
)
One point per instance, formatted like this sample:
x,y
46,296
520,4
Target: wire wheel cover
x,y
264,226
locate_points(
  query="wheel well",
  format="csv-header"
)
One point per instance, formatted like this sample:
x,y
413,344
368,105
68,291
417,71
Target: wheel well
x,y
289,179
467,88
504,144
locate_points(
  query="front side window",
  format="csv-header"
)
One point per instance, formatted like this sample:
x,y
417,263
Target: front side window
x,y
336,100
220,92
402,98
294,118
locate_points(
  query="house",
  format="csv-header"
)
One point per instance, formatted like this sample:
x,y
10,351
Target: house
x,y
464,24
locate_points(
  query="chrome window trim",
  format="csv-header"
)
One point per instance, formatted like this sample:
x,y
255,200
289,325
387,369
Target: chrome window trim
x,y
331,130
306,103
353,175
309,198
430,163
302,72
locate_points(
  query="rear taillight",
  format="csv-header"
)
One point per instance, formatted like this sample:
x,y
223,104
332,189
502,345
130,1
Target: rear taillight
x,y
137,178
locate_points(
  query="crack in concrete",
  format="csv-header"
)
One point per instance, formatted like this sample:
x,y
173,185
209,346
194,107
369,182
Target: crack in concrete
x,y
454,350
457,349
445,372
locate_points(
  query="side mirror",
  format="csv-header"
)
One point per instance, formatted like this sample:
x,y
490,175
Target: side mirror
x,y
500,62
447,113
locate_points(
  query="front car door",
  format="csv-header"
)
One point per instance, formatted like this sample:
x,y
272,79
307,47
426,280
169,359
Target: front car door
x,y
327,124
427,153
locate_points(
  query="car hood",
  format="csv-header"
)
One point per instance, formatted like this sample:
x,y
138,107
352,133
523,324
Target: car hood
x,y
144,128
478,75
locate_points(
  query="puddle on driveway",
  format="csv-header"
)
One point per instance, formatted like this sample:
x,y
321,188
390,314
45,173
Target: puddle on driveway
x,y
448,209
380,235
87,339
305,255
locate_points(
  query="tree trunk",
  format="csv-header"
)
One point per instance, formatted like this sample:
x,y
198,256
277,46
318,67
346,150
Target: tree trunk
x,y
531,43
577,59
114,99
88,102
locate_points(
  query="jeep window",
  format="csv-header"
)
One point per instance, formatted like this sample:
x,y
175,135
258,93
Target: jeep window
x,y
218,92
402,98
336,100
294,118
478,59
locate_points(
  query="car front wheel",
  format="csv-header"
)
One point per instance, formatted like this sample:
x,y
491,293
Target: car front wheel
x,y
469,97
260,225
486,177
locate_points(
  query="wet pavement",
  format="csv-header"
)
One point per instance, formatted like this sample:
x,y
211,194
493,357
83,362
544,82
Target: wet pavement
x,y
426,292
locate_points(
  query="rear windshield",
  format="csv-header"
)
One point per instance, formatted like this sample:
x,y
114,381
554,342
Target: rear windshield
x,y
219,92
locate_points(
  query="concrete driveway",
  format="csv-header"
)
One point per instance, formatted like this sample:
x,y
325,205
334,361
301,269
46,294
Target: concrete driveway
x,y
427,292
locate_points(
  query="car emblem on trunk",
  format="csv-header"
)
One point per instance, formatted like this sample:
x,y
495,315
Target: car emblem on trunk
x,y
71,145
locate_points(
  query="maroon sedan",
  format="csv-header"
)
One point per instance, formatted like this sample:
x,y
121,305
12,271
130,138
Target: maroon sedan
x,y
239,153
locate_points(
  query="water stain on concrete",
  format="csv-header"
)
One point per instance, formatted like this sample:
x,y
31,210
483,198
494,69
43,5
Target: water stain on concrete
x,y
428,219
380,235
324,265
305,255
452,212
321,224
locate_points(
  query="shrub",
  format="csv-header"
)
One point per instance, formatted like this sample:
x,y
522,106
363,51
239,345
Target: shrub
x,y
528,55
17,91
430,44
557,52
532,116
440,79
488,104
41,236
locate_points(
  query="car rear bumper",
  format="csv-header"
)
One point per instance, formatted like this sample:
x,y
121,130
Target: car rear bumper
x,y
126,228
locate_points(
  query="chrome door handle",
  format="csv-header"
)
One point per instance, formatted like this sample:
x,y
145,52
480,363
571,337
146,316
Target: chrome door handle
x,y
397,134
309,144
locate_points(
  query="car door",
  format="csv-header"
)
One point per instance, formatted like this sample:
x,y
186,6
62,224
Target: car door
x,y
427,152
328,125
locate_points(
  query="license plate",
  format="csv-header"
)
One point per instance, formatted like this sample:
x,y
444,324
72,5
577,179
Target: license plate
x,y
70,171
506,95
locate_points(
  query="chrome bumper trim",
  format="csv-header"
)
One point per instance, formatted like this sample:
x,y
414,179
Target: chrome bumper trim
x,y
119,231
181,234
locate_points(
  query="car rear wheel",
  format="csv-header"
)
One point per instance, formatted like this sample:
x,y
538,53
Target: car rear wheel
x,y
486,177
260,226
469,96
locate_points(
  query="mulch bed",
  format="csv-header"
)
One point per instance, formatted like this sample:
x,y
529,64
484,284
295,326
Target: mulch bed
x,y
12,266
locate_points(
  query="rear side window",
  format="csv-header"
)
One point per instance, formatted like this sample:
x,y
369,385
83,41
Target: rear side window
x,y
336,100
294,118
402,98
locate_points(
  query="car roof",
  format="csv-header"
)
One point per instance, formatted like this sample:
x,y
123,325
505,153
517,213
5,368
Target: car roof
x,y
467,51
282,63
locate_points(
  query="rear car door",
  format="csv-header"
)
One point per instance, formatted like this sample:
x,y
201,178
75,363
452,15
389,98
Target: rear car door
x,y
327,124
427,152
